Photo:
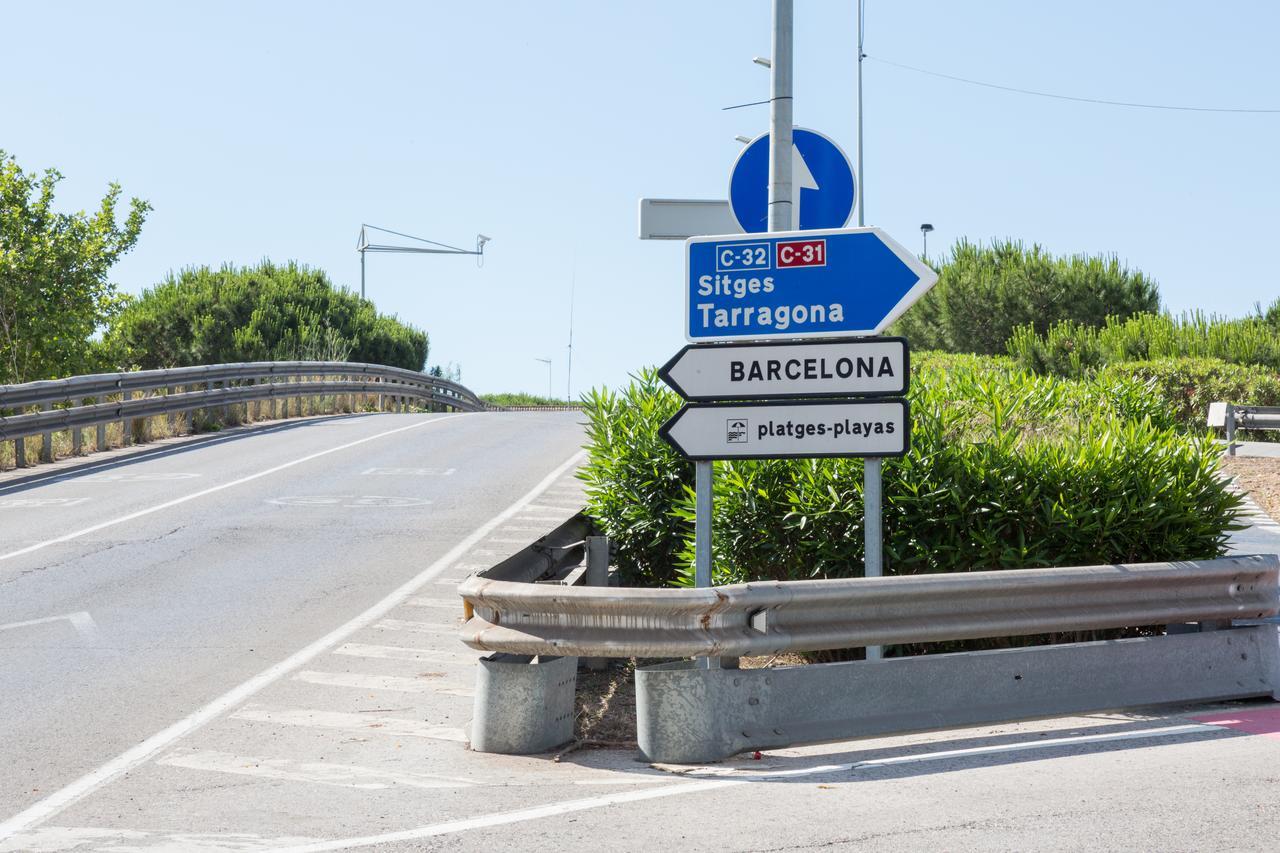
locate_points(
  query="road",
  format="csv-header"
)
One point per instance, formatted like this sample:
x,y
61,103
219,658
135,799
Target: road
x,y
224,557
261,655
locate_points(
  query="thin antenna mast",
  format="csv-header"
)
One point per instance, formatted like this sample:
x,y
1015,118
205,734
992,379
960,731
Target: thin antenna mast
x,y
568,379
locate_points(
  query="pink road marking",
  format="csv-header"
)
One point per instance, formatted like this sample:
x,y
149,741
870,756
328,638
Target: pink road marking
x,y
1263,721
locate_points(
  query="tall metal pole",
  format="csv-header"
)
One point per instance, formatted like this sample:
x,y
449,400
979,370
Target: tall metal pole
x,y
362,273
872,483
862,181
568,374
780,118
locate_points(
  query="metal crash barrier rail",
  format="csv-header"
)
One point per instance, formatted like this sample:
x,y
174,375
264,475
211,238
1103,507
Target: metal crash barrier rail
x,y
1215,647
1231,417
99,399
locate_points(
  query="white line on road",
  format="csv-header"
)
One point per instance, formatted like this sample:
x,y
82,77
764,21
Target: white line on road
x,y
59,800
454,604
364,723
102,525
80,620
319,772
362,650
417,627
398,683
725,781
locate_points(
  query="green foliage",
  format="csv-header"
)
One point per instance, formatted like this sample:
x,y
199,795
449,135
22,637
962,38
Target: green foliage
x,y
521,398
54,293
1072,349
263,313
1186,387
1006,470
984,293
634,479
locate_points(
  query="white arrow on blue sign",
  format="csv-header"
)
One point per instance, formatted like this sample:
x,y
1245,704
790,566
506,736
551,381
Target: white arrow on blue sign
x,y
822,179
799,284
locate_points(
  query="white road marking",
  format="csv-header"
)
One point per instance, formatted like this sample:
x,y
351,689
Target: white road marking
x,y
141,477
348,501
418,627
363,723
80,620
103,525
318,772
448,604
362,650
704,785
59,800
57,838
37,503
397,683
408,472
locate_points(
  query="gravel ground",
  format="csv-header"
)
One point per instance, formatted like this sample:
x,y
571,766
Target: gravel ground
x,y
1260,477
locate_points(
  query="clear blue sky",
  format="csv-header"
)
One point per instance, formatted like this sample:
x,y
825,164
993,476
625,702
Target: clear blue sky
x,y
274,129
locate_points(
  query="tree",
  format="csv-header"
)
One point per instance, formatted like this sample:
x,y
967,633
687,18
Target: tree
x,y
54,292
266,312
984,293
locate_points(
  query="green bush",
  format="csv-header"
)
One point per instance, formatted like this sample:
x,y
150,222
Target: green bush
x,y
264,313
521,398
1188,385
1073,349
984,293
1006,470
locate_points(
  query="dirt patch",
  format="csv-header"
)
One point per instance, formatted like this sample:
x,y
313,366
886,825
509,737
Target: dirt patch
x,y
606,707
1260,477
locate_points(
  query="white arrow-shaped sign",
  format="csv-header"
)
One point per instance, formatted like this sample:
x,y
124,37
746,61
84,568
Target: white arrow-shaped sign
x,y
795,430
801,179
771,371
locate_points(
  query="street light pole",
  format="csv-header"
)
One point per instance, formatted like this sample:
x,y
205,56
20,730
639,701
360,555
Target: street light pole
x,y
925,228
547,362
439,248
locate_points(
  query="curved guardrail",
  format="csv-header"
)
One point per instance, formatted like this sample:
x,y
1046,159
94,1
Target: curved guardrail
x,y
65,407
768,618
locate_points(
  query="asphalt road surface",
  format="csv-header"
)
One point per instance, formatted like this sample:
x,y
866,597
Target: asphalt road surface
x,y
249,643
199,564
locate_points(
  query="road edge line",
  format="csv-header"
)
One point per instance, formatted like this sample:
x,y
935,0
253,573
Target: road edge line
x,y
102,525
51,805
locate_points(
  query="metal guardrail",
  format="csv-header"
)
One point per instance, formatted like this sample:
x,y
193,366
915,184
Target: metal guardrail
x,y
1232,417
768,618
65,406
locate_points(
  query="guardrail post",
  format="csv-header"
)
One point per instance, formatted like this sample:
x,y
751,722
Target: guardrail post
x,y
100,438
46,439
597,575
20,452
524,705
126,438
77,441
1231,429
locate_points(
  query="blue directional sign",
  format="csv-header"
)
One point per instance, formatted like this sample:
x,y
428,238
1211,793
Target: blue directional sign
x,y
821,178
799,284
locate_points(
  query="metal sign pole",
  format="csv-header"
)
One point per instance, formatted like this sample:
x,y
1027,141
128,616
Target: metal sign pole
x,y
780,123
872,488
703,500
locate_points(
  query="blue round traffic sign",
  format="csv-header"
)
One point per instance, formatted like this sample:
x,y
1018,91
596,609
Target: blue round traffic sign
x,y
821,178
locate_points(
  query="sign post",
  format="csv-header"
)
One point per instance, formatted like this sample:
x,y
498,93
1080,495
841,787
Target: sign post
x,y
803,304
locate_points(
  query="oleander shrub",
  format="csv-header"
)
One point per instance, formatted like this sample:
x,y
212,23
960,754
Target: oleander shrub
x,y
1007,469
1070,348
268,312
1188,385
985,292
